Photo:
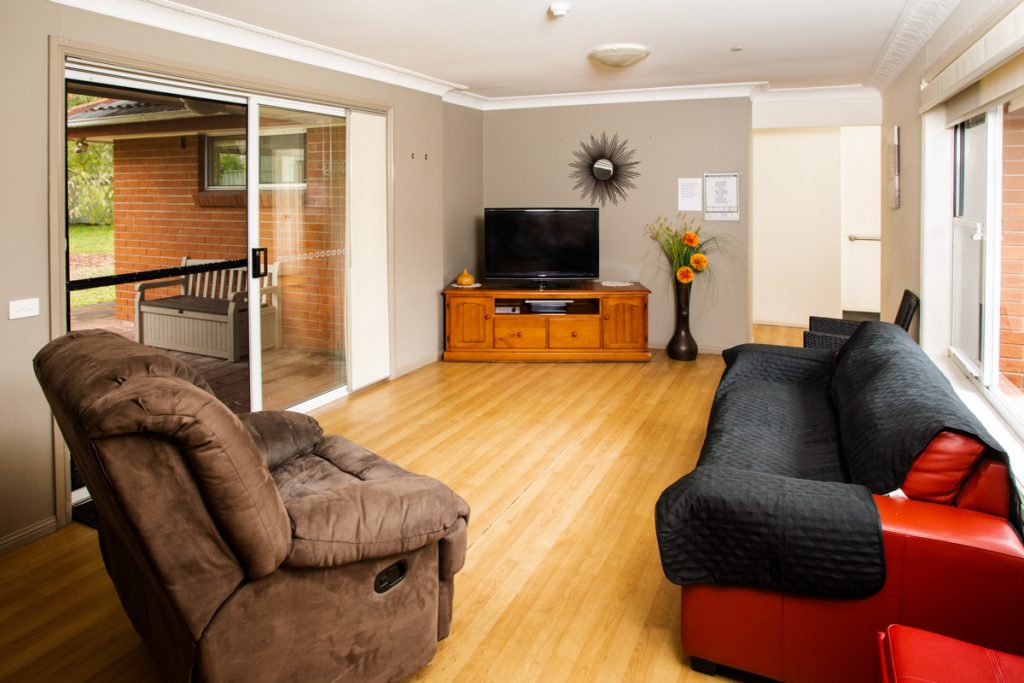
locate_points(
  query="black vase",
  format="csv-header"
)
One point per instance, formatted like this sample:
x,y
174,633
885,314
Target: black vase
x,y
682,346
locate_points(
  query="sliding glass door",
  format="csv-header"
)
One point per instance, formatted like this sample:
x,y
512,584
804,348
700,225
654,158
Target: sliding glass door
x,y
298,181
229,229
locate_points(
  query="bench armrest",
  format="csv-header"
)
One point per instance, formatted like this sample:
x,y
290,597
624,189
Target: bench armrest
x,y
155,284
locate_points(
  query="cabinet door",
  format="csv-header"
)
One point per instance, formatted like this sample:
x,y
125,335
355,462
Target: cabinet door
x,y
625,322
470,322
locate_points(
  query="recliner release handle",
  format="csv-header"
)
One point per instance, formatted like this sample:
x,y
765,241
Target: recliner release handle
x,y
390,577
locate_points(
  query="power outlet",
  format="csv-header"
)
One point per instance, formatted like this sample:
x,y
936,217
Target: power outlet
x,y
22,308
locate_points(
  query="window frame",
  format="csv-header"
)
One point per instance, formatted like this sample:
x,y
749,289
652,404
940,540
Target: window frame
x,y
986,377
208,138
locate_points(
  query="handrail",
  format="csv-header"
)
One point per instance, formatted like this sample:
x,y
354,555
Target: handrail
x,y
864,238
142,275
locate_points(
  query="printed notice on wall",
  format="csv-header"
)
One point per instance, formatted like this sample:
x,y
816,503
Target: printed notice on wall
x,y
689,194
721,196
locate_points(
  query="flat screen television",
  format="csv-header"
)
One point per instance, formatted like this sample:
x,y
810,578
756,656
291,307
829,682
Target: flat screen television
x,y
541,244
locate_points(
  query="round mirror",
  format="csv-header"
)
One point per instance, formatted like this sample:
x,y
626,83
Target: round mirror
x,y
603,169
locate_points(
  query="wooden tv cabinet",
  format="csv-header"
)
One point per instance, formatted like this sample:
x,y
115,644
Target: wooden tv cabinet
x,y
589,323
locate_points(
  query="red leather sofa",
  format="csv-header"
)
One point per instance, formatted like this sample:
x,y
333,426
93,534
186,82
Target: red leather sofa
x,y
911,655
954,564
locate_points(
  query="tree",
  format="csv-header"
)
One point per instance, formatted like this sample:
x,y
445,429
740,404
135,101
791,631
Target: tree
x,y
90,177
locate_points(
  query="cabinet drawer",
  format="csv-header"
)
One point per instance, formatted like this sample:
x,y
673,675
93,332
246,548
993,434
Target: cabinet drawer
x,y
520,332
574,333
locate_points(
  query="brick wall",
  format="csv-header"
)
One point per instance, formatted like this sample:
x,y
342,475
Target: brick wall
x,y
159,218
1011,313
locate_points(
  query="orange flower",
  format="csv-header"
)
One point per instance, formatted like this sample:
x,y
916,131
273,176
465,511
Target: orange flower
x,y
699,261
685,275
690,238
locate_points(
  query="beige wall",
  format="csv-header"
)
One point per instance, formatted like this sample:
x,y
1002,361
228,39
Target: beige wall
x,y
796,253
526,163
463,190
901,228
26,467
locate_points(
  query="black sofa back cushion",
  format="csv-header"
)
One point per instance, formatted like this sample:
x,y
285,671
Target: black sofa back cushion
x,y
891,400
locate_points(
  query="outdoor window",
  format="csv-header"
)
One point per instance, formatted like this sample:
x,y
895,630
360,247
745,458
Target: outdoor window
x,y
988,255
282,161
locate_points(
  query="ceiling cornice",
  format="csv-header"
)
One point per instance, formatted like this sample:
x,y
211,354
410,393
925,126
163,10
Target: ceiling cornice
x,y
915,26
173,16
689,92
838,92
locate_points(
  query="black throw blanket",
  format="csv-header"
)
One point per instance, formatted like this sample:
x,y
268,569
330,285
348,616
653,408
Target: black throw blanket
x,y
797,441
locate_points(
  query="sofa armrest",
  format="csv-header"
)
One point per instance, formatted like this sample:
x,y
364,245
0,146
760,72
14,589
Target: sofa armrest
x,y
959,571
280,435
745,528
371,519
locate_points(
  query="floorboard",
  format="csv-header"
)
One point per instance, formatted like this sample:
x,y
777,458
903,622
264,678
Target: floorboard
x,y
561,463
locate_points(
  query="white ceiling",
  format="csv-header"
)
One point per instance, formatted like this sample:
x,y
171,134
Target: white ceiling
x,y
514,48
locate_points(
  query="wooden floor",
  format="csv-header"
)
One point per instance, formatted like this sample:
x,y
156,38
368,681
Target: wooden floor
x,y
561,464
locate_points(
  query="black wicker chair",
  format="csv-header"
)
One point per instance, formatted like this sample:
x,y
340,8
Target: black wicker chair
x,y
832,333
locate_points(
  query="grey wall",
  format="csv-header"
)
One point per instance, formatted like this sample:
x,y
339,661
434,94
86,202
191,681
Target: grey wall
x,y
26,468
463,189
526,163
26,465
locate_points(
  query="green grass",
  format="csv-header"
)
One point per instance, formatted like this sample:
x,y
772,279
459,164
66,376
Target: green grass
x,y
91,239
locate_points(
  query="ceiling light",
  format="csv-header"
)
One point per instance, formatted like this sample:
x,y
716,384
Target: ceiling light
x,y
620,54
736,49
559,9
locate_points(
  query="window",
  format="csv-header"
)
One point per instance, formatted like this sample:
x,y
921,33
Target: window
x,y
988,255
282,161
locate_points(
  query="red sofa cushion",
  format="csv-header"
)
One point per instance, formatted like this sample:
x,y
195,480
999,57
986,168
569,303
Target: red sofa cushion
x,y
988,489
912,654
942,468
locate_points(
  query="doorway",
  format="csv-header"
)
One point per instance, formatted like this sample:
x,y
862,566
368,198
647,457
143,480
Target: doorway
x,y
816,224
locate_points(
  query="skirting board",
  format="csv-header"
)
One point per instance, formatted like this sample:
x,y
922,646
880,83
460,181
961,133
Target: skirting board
x,y
702,350
416,365
28,534
802,326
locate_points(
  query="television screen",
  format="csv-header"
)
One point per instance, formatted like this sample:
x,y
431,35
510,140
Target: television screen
x,y
541,243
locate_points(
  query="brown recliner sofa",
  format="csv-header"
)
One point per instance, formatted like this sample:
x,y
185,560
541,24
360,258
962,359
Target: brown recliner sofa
x,y
252,547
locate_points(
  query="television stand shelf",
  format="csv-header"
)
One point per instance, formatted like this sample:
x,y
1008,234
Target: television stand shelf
x,y
589,323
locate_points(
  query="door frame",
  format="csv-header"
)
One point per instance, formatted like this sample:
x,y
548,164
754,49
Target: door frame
x,y
213,82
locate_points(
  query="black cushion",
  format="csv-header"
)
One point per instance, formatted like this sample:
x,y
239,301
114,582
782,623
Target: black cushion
x,y
891,400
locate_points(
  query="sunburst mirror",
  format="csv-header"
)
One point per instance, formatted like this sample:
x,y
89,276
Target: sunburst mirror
x,y
604,169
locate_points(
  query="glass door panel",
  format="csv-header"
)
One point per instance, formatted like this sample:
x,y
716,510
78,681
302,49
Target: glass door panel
x,y
969,239
154,241
301,227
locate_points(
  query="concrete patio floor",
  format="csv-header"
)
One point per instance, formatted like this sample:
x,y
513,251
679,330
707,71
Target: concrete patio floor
x,y
290,376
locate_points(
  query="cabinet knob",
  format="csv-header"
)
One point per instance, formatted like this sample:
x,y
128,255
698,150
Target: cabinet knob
x,y
575,334
487,316
605,316
519,334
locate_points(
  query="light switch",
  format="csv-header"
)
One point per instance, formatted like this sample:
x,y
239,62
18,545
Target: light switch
x,y
22,308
